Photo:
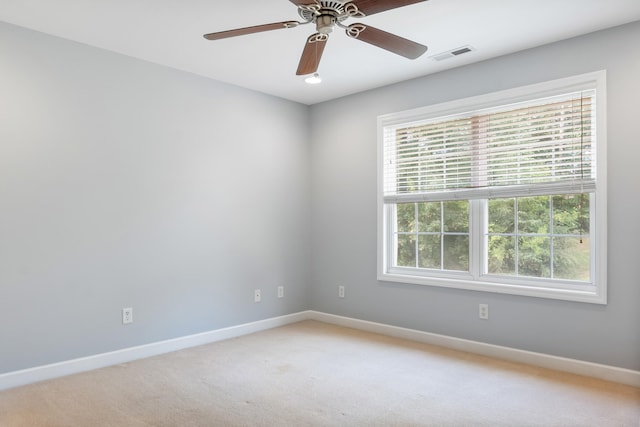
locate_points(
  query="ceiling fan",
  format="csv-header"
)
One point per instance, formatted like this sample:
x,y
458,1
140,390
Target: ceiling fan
x,y
328,14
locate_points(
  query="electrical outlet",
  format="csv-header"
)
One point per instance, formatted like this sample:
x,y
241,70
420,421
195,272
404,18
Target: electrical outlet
x,y
483,311
280,291
257,295
127,315
340,291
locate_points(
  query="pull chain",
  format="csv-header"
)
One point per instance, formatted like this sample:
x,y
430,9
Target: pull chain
x,y
580,207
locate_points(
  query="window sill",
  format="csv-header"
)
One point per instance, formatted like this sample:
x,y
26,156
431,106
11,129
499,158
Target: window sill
x,y
579,293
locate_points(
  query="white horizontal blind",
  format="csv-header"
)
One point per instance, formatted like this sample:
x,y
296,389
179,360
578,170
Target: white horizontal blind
x,y
544,146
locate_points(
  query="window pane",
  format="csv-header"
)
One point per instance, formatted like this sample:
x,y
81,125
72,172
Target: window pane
x,y
429,217
571,214
533,215
406,217
534,253
502,251
502,215
456,252
571,258
456,216
406,255
429,251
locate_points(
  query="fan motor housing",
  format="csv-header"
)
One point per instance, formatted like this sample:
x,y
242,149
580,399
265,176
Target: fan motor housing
x,y
322,8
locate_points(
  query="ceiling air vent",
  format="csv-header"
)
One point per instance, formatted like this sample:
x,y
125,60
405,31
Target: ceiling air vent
x,y
452,53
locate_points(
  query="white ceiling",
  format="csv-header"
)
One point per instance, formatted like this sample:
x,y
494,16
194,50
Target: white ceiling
x,y
169,32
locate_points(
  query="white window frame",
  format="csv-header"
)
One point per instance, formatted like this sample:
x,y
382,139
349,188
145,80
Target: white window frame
x,y
593,292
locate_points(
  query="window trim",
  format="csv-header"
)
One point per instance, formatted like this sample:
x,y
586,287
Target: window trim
x,y
596,292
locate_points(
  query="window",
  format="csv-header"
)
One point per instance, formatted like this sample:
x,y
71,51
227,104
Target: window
x,y
504,192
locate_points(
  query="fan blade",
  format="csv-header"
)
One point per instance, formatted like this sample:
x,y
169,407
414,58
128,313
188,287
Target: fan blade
x,y
391,42
311,54
251,30
303,2
369,7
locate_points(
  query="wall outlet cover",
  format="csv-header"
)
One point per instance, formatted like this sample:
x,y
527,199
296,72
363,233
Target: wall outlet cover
x,y
127,315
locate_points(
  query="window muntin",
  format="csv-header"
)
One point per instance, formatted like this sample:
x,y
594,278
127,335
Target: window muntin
x,y
524,163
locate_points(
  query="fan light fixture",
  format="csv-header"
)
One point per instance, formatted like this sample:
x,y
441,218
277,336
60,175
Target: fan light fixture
x,y
313,79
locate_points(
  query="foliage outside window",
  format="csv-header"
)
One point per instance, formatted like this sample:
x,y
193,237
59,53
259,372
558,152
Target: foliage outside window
x,y
503,193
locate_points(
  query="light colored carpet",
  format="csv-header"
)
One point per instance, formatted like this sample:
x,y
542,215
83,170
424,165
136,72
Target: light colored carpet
x,y
315,374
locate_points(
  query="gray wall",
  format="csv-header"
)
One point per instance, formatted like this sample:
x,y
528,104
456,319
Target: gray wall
x,y
344,210
127,184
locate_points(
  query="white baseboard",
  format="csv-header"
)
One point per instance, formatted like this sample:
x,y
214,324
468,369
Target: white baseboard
x,y
74,366
579,367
